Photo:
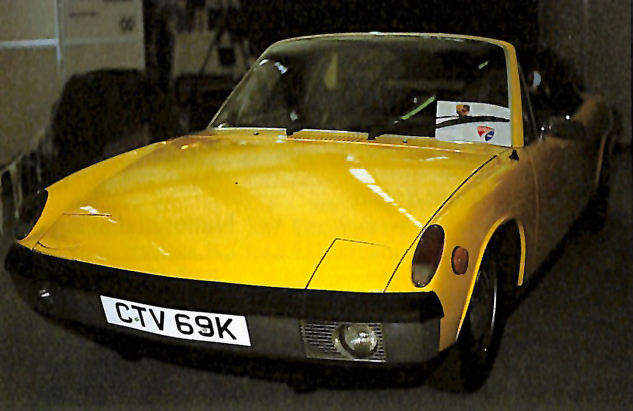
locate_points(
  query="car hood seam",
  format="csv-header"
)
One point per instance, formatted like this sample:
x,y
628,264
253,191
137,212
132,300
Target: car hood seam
x,y
437,212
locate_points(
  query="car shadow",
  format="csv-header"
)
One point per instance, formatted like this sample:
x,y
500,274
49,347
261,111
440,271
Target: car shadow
x,y
578,230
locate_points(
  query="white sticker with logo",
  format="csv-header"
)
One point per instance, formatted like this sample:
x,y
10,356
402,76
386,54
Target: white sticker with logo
x,y
186,325
473,122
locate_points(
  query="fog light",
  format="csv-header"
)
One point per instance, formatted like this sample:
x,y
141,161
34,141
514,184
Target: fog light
x,y
357,340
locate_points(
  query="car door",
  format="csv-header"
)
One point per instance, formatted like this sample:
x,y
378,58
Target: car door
x,y
579,162
557,195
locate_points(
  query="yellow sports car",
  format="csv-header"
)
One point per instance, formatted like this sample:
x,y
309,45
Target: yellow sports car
x,y
361,198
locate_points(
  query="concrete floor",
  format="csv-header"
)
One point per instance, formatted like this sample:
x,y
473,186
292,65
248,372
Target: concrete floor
x,y
567,346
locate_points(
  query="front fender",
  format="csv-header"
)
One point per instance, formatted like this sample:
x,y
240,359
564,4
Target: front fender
x,y
63,194
501,191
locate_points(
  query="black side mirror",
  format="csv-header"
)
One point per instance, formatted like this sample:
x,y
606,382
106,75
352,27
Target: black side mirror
x,y
565,127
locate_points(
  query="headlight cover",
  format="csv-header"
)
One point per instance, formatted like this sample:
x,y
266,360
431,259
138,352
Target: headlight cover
x,y
30,213
427,255
356,340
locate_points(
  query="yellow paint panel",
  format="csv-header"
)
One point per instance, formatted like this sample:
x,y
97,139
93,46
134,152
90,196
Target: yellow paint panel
x,y
503,190
255,210
355,267
63,195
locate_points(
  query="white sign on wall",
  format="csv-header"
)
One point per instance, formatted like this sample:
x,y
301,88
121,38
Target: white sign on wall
x,y
101,34
86,21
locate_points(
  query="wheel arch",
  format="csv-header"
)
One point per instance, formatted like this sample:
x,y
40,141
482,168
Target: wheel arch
x,y
506,235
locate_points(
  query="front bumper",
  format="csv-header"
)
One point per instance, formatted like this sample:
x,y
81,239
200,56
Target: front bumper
x,y
282,323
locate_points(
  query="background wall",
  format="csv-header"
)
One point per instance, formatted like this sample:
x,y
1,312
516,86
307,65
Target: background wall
x,y
29,78
592,34
595,36
42,44
512,20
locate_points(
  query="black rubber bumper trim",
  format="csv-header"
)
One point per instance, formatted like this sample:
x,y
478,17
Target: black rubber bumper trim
x,y
270,336
226,298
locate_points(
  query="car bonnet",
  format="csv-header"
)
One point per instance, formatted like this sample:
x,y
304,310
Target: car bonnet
x,y
265,210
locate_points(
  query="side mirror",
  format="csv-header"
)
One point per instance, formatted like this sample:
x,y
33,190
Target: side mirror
x,y
566,128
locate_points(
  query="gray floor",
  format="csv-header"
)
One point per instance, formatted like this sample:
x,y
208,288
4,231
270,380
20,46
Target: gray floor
x,y
565,347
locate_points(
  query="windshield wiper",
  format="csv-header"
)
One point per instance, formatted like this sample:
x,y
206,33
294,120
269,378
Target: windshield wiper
x,y
418,108
472,119
294,128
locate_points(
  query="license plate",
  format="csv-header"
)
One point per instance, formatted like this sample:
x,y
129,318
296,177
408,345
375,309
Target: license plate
x,y
186,325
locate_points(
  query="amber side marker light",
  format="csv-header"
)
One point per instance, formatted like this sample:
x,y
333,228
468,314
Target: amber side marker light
x,y
460,260
427,255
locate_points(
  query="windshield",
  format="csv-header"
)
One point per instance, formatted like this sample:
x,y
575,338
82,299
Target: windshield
x,y
448,88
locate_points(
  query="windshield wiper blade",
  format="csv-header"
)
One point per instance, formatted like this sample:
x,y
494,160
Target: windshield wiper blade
x,y
294,128
418,108
372,133
472,119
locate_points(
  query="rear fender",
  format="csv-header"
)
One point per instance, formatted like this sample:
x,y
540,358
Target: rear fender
x,y
597,119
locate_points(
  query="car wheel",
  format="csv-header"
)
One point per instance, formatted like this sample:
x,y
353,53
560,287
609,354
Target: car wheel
x,y
596,211
469,362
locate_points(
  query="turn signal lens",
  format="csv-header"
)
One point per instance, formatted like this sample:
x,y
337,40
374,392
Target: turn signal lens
x,y
460,260
29,214
427,255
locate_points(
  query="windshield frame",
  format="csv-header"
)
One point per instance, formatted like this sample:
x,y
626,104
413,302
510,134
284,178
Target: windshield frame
x,y
510,67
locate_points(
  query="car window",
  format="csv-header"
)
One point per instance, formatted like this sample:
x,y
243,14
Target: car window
x,y
421,86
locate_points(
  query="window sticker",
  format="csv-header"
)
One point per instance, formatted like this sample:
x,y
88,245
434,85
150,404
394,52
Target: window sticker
x,y
473,122
487,132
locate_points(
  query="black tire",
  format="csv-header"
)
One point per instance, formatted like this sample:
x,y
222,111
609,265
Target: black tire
x,y
595,215
469,362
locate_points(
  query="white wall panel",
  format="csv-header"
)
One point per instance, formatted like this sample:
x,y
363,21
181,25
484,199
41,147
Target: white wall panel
x,y
27,19
30,86
37,56
82,59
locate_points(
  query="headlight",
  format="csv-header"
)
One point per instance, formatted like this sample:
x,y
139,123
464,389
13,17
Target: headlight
x,y
30,212
357,340
427,255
